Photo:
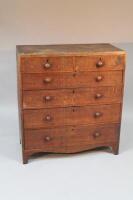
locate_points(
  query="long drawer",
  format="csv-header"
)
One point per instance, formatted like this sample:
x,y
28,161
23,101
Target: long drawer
x,y
71,139
71,97
71,80
47,118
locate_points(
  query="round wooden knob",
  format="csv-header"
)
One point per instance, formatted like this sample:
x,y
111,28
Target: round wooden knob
x,y
100,63
47,138
47,65
96,134
47,80
99,78
47,98
98,96
98,114
48,118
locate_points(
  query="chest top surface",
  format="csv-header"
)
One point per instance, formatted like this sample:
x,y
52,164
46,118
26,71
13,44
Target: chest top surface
x,y
68,49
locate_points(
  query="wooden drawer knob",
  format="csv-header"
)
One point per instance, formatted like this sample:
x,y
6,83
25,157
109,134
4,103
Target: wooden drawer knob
x,y
99,78
47,80
96,134
47,138
100,63
98,96
47,98
48,118
47,65
97,114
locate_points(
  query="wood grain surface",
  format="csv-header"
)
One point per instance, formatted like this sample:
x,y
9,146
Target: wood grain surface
x,y
39,64
70,97
71,80
69,139
71,116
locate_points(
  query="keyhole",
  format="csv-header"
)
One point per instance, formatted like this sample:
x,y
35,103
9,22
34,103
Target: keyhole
x,y
74,74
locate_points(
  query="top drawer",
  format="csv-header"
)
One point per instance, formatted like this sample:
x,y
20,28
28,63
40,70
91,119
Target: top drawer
x,y
40,64
36,64
99,63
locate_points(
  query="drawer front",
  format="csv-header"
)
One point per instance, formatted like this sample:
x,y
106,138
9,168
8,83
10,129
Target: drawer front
x,y
71,80
71,97
46,64
99,63
70,139
47,98
44,118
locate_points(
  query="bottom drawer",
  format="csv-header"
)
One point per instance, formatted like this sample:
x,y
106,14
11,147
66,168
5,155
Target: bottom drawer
x,y
71,139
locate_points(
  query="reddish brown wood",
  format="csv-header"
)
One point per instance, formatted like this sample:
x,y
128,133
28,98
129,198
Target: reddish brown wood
x,y
99,63
44,118
70,97
41,64
71,80
38,64
112,145
65,138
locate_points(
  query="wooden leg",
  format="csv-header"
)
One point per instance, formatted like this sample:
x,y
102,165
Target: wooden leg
x,y
25,161
25,158
115,149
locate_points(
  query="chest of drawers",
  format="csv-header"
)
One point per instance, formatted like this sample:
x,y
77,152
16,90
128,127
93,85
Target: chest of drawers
x,y
70,97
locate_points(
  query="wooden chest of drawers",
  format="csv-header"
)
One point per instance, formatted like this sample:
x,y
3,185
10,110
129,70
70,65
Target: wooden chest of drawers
x,y
70,97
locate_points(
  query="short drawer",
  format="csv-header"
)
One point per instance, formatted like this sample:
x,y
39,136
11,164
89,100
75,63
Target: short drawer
x,y
71,139
71,80
36,64
52,117
99,63
71,97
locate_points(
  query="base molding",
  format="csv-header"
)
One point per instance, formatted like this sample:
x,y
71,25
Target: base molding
x,y
114,148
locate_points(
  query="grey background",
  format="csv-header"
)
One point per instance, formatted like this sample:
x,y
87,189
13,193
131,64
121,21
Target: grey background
x,y
61,21
95,175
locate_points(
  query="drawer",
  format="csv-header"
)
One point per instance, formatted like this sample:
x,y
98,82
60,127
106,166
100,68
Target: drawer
x,y
71,139
71,97
47,98
99,63
47,118
36,64
71,80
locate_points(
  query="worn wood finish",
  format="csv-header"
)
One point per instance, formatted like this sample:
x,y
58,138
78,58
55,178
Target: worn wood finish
x,y
99,63
45,64
39,64
70,97
70,137
71,80
44,118
69,49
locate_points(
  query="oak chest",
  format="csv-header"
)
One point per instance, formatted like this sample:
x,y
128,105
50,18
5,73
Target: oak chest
x,y
70,97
